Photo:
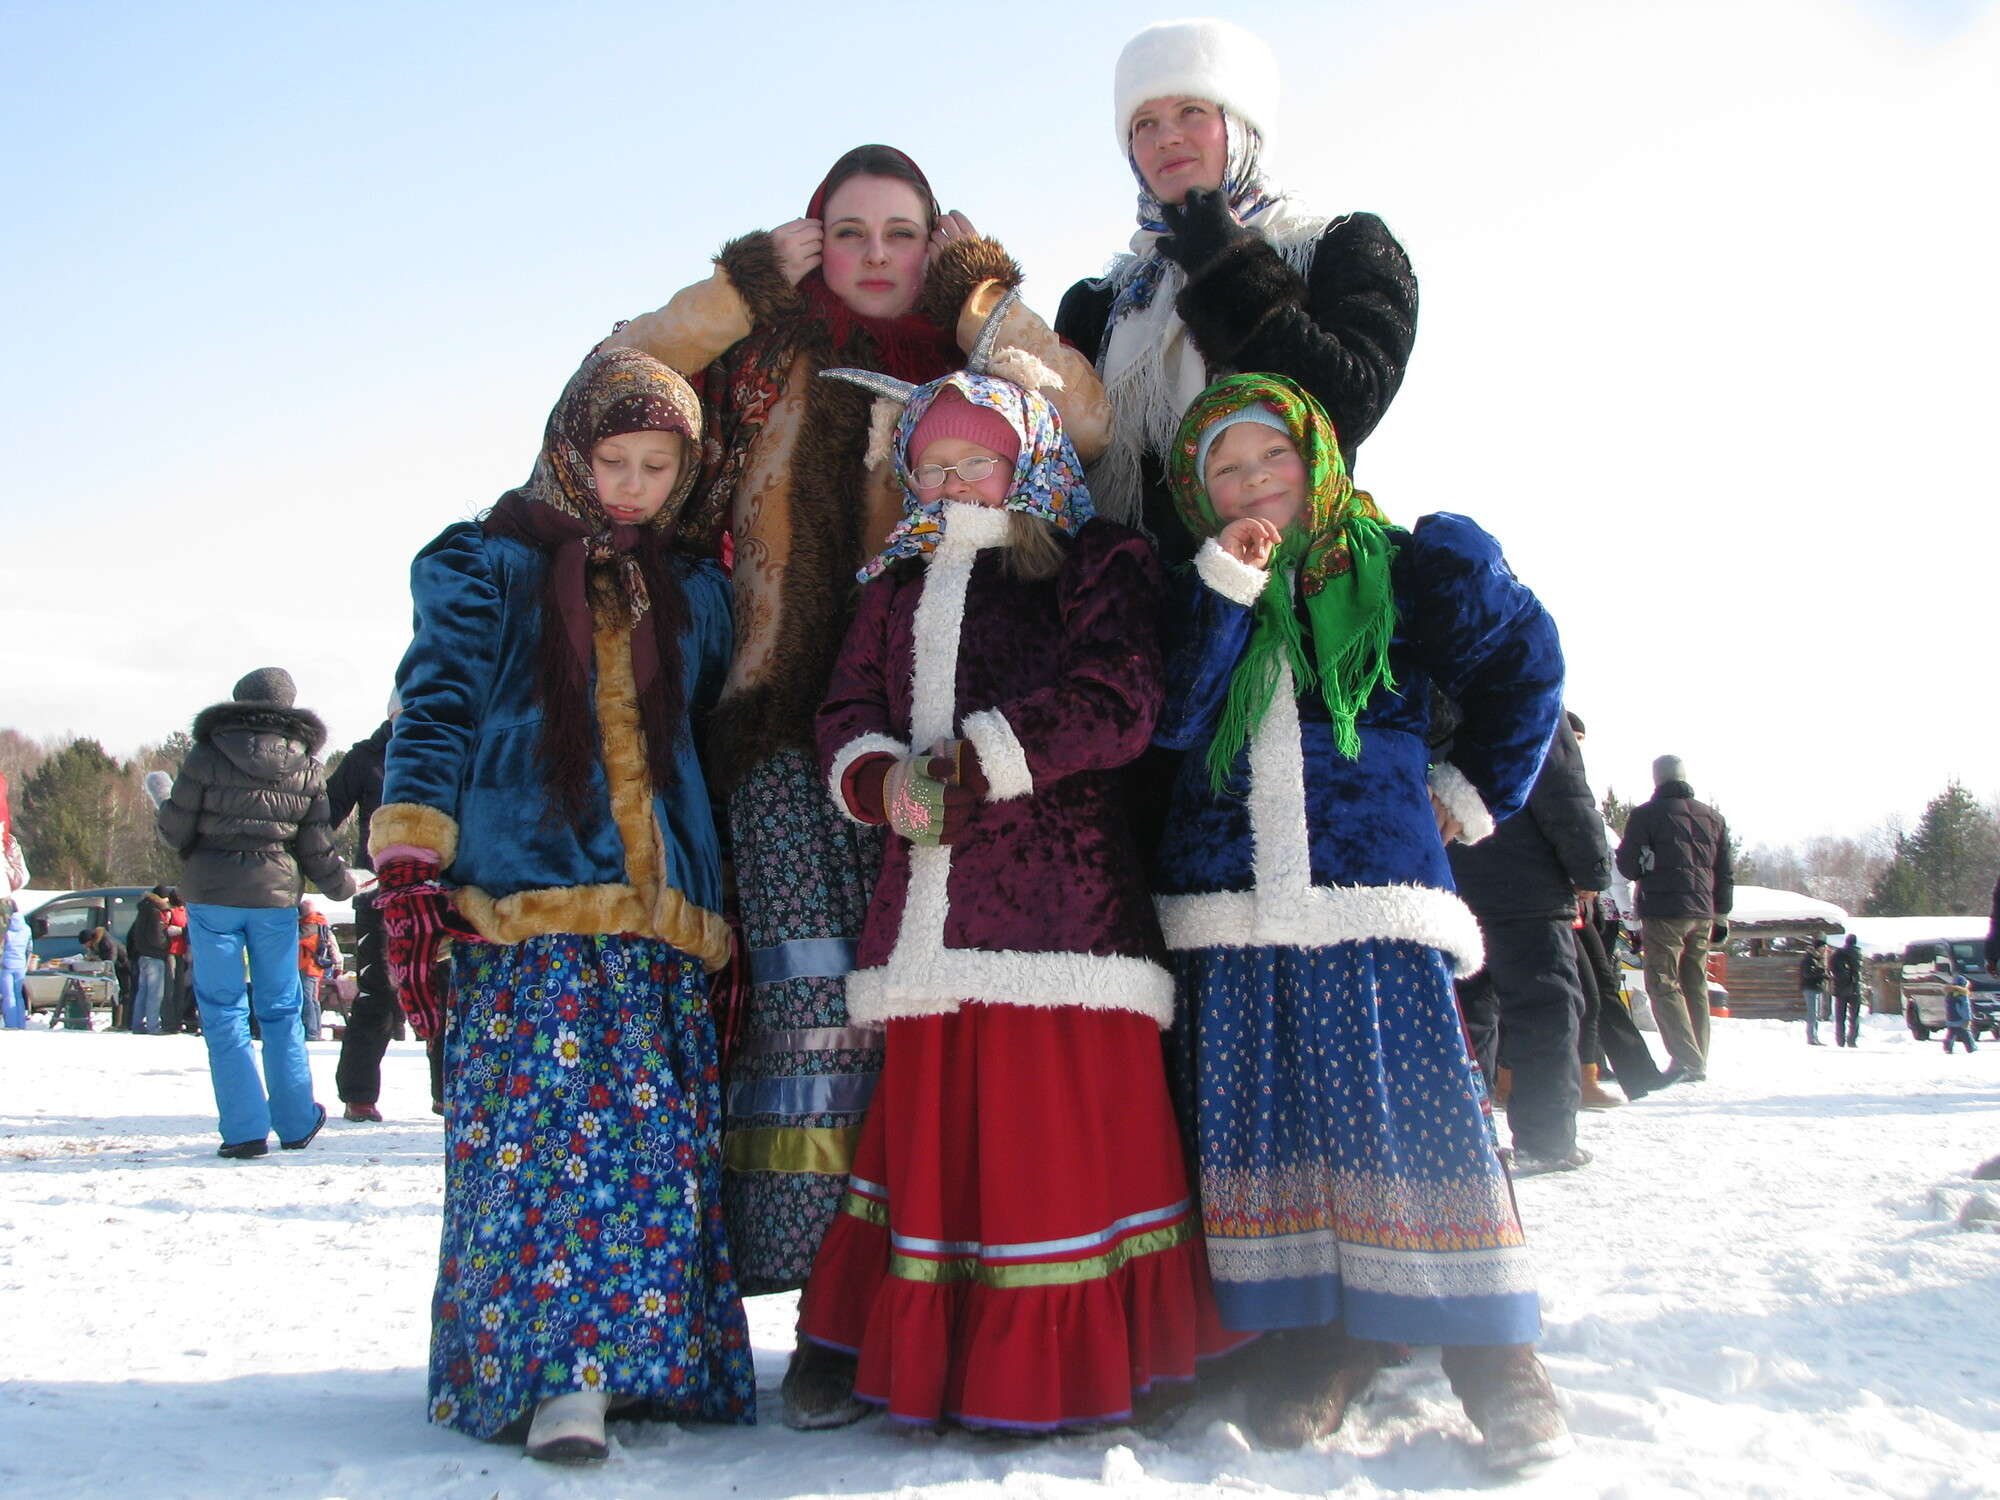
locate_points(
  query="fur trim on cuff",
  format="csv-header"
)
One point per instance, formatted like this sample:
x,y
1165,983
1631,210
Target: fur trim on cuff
x,y
957,271
882,420
751,264
1230,576
413,823
1001,757
847,755
1229,301
1023,369
1462,800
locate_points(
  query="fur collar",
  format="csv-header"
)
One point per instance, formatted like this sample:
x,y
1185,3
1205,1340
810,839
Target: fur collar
x,y
261,718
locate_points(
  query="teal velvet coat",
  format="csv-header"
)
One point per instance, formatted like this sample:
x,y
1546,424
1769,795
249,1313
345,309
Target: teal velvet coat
x,y
462,775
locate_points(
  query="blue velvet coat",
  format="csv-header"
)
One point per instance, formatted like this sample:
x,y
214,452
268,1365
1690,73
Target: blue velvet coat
x,y
462,775
1305,848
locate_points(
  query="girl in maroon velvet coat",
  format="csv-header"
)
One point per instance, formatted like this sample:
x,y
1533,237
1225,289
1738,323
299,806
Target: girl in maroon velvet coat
x,y
1017,1248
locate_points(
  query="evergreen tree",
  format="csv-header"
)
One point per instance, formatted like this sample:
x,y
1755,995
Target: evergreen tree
x,y
67,813
1946,867
1956,847
1615,811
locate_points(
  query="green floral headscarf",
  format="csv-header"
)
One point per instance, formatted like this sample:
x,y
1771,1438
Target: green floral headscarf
x,y
1340,549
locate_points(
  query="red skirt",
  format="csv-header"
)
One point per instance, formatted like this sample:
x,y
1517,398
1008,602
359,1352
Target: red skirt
x,y
1018,1247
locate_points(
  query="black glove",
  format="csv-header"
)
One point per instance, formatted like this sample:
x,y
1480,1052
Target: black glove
x,y
1200,229
1718,933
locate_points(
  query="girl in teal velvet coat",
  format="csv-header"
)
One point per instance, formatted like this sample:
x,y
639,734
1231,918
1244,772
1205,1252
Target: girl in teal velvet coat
x,y
542,796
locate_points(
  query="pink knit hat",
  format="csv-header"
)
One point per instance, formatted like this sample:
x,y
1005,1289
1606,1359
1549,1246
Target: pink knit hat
x,y
952,416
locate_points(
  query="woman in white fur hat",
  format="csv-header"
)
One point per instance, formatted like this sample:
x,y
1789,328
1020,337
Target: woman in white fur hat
x,y
1227,272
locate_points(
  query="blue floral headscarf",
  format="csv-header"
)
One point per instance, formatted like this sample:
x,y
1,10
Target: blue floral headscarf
x,y
1048,476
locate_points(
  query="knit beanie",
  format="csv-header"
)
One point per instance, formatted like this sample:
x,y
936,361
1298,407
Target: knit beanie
x,y
952,416
266,685
1214,60
1668,768
1256,412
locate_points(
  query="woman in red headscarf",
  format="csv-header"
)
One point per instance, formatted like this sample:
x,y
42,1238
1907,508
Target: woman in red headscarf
x,y
874,277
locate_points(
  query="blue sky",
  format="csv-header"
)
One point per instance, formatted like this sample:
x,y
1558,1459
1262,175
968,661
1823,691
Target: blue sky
x,y
1706,335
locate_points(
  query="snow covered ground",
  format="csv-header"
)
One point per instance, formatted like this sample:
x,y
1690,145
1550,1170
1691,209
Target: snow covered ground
x,y
1761,1288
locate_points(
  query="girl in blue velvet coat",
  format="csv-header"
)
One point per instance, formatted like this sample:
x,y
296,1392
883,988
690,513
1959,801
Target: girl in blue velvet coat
x,y
1351,1190
541,779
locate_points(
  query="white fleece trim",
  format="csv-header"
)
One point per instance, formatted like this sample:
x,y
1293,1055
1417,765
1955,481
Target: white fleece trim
x,y
849,753
1000,756
938,982
923,977
1323,916
1462,800
1229,576
1285,908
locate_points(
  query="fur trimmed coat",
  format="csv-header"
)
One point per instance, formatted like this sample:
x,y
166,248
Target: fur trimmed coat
x,y
463,774
1042,900
1304,848
1343,331
248,813
784,469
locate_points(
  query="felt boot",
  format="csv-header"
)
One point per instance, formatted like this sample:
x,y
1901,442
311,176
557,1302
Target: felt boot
x,y
1303,1382
1508,1396
819,1389
570,1429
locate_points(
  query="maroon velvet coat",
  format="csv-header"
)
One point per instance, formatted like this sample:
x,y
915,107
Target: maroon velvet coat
x,y
1042,900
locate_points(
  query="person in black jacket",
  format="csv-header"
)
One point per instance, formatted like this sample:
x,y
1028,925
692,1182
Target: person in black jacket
x,y
1522,881
1229,274
356,786
1813,985
248,815
98,943
1849,988
146,942
1676,850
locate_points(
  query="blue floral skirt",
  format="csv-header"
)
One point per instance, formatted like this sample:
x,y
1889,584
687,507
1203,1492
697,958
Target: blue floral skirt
x,y
583,1234
1345,1156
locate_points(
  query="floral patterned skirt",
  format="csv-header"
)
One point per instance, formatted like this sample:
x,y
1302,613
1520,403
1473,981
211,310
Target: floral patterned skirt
x,y
1345,1155
583,1233
802,1078
1017,1248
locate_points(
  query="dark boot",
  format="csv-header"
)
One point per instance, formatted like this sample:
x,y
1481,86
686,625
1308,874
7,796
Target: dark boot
x,y
1303,1381
819,1389
1507,1394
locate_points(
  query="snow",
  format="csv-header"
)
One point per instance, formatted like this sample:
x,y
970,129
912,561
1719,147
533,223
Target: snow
x,y
1762,903
1761,1287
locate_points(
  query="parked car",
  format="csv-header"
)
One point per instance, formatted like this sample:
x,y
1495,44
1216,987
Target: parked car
x,y
43,987
59,925
1931,970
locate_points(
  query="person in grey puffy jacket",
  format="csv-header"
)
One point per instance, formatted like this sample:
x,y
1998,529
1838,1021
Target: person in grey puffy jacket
x,y
248,815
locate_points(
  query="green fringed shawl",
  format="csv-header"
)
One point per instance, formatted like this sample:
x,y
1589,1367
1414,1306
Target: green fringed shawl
x,y
1339,550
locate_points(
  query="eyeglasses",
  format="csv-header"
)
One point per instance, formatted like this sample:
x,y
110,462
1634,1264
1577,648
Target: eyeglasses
x,y
971,470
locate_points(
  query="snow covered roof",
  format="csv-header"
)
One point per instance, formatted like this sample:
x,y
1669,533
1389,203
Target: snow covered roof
x,y
1760,905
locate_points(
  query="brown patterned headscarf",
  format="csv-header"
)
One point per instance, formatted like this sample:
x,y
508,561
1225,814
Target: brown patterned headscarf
x,y
625,571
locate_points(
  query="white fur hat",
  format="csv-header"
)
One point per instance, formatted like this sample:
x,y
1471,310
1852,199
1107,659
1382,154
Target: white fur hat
x,y
1214,60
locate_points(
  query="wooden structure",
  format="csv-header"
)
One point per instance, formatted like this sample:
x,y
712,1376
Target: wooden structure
x,y
1769,931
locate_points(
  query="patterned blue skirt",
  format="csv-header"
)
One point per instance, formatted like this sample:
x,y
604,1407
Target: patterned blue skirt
x,y
1346,1163
583,1233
